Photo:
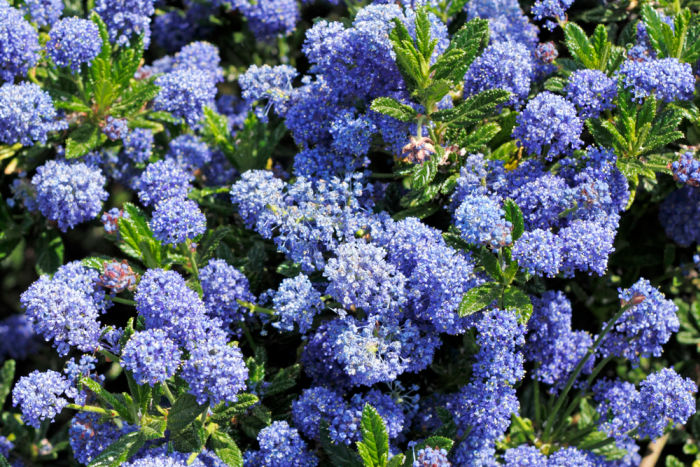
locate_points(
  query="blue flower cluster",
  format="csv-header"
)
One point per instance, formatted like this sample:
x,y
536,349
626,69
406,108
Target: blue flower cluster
x,y
298,255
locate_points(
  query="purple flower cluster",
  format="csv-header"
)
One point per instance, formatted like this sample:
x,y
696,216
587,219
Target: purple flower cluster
x,y
72,42
27,114
20,45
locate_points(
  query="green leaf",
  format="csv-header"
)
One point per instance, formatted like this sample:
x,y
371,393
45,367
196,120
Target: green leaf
x,y
423,34
474,108
136,98
227,449
396,461
479,298
470,41
374,447
393,108
82,140
7,374
580,46
338,453
191,439
184,411
421,212
515,298
407,57
490,263
49,252
284,379
425,173
154,429
106,50
120,451
107,397
3,462
515,216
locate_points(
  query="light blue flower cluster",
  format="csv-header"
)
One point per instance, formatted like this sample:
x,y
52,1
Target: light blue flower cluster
x,y
44,12
27,114
591,91
126,20
20,45
41,396
296,302
151,356
281,446
645,327
667,79
189,152
687,169
138,145
185,93
72,42
89,437
222,286
69,193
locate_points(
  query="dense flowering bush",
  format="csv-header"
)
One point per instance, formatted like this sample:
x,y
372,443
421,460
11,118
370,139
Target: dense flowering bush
x,y
362,233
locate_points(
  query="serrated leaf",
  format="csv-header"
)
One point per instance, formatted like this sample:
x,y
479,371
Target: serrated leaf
x,y
580,46
284,379
49,252
154,429
490,263
227,449
7,375
425,173
190,439
421,212
184,411
107,397
120,451
82,140
514,298
474,108
471,39
423,33
374,447
394,108
515,216
479,298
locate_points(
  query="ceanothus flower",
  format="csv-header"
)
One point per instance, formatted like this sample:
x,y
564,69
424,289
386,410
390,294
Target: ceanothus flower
x,y
5,446
665,398
351,135
84,280
524,456
201,56
215,371
591,91
569,456
138,145
296,301
314,405
539,252
44,12
481,220
359,276
644,327
126,19
185,93
679,213
72,42
19,46
69,193
269,18
40,396
686,169
163,180
115,128
63,314
617,402
222,287
164,301
667,78
555,9
177,220
151,356
273,84
431,457
280,446
548,126
27,114
88,437
503,65
17,337
189,151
